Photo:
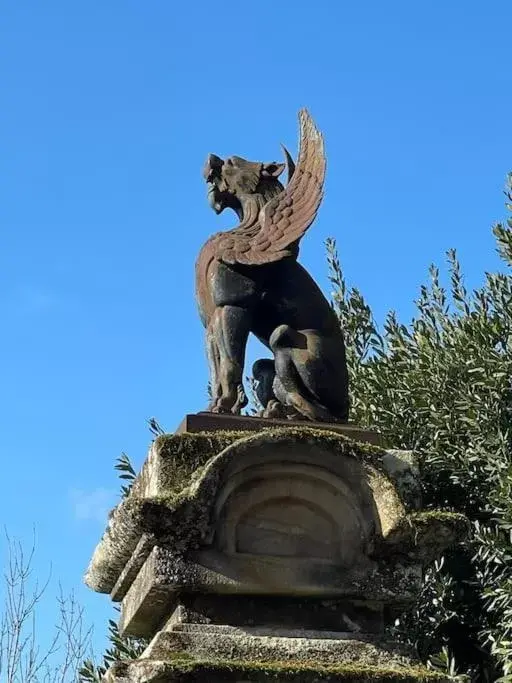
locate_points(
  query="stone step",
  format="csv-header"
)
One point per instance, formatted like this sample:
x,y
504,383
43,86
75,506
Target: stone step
x,y
205,643
269,631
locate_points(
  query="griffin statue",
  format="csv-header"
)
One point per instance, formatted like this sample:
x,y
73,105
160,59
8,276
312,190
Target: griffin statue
x,y
248,280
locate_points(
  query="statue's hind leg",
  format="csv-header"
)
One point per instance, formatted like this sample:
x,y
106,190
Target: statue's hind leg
x,y
270,392
305,379
264,374
231,326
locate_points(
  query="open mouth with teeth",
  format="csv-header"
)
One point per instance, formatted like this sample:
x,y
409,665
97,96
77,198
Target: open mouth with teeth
x,y
219,200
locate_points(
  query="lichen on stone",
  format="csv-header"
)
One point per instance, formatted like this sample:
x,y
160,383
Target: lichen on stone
x,y
422,536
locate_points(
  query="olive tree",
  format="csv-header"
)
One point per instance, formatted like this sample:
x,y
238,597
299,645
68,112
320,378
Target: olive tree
x,y
441,385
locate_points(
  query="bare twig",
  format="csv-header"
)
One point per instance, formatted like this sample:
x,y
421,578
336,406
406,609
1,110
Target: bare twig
x,y
23,657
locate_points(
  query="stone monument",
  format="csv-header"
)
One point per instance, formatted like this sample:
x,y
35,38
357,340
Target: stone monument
x,y
279,547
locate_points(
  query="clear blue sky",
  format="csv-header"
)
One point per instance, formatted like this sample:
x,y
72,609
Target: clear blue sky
x,y
108,111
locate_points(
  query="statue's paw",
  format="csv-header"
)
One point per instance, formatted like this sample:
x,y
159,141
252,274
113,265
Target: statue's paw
x,y
274,409
232,403
219,408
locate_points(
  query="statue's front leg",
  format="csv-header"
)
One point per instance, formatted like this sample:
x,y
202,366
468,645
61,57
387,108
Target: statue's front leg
x,y
213,354
232,325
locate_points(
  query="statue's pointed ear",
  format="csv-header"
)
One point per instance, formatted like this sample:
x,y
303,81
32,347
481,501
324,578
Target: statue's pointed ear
x,y
272,169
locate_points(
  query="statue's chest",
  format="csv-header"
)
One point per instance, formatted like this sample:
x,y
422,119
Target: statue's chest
x,y
232,286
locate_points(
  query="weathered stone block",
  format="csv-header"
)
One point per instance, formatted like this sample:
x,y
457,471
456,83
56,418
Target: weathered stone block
x,y
267,644
183,670
166,576
332,614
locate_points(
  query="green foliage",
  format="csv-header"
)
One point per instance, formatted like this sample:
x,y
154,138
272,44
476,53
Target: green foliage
x,y
123,463
155,427
441,385
121,648
125,468
444,664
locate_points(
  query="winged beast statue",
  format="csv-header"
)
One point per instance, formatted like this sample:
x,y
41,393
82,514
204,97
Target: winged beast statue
x,y
248,280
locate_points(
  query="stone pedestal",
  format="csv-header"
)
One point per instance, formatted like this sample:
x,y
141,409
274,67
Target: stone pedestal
x,y
276,554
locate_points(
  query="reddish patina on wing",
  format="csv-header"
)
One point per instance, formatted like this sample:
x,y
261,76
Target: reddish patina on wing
x,y
284,219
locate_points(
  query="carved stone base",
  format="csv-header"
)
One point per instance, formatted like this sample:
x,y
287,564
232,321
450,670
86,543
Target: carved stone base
x,y
275,554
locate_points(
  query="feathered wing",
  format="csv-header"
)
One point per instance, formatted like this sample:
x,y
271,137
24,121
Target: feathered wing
x,y
284,219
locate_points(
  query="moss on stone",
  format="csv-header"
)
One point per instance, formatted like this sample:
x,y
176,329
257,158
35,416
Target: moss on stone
x,y
425,517
186,455
182,668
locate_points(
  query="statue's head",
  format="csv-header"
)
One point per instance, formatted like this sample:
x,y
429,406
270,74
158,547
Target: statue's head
x,y
230,180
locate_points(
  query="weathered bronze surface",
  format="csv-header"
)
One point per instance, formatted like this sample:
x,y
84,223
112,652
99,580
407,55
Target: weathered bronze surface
x,y
248,280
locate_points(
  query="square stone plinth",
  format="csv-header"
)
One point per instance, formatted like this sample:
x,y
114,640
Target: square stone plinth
x,y
212,422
